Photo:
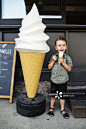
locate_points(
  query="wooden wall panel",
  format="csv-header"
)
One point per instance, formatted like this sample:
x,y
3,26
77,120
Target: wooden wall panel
x,y
77,48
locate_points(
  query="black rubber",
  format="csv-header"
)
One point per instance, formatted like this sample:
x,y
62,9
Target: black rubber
x,y
31,107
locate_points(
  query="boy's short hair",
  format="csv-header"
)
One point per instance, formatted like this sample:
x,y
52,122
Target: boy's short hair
x,y
60,38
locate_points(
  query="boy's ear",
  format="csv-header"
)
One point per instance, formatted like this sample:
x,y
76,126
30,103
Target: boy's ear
x,y
66,47
55,47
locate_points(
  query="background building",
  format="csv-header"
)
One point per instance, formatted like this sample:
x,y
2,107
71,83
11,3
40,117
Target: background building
x,y
62,17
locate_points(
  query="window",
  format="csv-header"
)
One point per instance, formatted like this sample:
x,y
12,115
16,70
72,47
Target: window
x,y
13,9
47,8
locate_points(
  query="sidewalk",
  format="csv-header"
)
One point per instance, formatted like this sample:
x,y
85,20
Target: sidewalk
x,y
10,119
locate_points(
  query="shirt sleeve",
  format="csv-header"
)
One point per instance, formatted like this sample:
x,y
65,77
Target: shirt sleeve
x,y
69,61
50,59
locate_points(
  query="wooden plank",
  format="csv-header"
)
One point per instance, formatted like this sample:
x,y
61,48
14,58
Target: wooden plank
x,y
76,107
12,78
2,96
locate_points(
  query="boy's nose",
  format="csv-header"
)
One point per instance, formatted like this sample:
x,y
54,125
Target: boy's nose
x,y
61,47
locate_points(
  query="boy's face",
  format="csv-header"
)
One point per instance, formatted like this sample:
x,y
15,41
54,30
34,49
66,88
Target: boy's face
x,y
61,46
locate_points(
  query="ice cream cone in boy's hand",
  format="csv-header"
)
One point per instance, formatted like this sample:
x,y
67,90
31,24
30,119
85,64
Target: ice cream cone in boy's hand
x,y
32,48
60,55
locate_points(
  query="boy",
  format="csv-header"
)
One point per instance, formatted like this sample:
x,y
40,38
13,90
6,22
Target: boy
x,y
59,74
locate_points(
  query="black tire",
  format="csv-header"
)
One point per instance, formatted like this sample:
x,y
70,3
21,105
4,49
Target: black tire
x,y
31,107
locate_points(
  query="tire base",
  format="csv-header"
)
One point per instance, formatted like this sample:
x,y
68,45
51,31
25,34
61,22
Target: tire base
x,y
31,107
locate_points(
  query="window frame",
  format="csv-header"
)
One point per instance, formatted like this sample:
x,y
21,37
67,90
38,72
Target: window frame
x,y
45,20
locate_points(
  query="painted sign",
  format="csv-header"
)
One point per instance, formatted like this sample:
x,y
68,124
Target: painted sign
x,y
7,66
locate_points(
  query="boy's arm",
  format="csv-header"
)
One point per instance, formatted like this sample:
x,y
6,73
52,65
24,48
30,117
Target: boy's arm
x,y
67,67
50,65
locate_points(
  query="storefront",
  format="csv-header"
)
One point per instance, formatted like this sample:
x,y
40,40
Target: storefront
x,y
62,17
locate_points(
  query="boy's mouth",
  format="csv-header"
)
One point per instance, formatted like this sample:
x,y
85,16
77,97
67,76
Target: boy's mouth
x,y
61,50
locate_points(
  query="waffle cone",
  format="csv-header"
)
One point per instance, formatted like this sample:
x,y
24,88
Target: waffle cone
x,y
31,65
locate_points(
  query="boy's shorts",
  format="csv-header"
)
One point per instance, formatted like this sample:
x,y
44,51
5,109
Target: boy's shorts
x,y
58,87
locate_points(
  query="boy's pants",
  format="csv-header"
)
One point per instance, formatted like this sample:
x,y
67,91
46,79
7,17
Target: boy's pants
x,y
58,89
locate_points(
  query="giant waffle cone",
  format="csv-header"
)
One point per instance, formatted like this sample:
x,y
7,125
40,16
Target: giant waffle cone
x,y
31,65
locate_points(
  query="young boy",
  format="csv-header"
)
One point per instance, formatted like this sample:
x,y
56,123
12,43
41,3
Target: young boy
x,y
59,74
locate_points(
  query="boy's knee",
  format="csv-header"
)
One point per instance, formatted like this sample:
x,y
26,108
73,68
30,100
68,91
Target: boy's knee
x,y
53,98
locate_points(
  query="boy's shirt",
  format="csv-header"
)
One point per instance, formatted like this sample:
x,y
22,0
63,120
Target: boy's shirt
x,y
59,74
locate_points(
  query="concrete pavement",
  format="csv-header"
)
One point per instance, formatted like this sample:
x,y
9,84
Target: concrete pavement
x,y
10,119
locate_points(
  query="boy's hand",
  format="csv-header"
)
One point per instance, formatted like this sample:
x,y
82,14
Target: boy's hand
x,y
60,60
54,58
52,62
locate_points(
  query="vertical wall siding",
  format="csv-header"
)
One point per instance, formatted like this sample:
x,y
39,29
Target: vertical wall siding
x,y
0,36
76,49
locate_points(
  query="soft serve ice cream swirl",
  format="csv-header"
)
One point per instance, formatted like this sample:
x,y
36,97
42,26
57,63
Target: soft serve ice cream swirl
x,y
32,37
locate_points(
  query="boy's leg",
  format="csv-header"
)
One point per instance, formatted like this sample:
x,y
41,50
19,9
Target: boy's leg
x,y
51,109
63,89
52,103
53,90
62,103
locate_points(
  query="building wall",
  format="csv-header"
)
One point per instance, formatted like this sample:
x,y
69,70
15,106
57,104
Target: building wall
x,y
76,49
69,27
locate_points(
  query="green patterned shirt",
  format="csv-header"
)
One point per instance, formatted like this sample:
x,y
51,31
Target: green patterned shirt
x,y
59,74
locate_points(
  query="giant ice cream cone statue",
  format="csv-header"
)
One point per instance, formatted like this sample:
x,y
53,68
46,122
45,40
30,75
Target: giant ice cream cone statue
x,y
32,48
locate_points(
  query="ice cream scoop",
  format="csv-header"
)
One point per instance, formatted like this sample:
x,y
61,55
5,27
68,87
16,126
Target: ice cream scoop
x,y
60,55
32,37
32,48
